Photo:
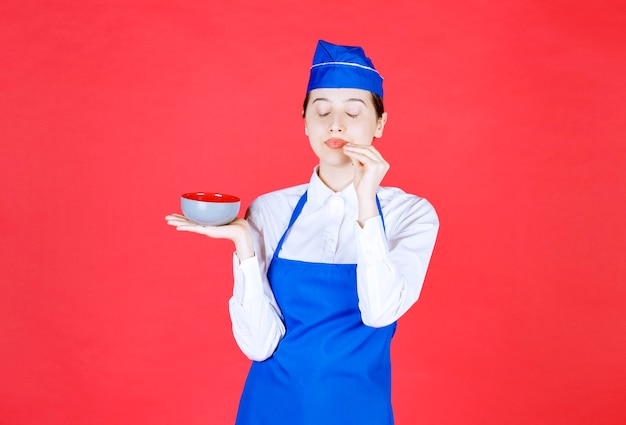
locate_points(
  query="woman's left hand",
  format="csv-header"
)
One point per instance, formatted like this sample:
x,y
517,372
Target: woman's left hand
x,y
237,231
369,169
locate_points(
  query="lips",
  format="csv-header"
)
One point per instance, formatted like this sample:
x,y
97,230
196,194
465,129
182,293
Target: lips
x,y
335,143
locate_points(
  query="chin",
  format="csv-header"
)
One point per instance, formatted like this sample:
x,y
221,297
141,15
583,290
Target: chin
x,y
337,162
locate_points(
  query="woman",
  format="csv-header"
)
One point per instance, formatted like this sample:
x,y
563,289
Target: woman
x,y
324,270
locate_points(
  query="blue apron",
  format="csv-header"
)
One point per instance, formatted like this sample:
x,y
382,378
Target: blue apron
x,y
329,368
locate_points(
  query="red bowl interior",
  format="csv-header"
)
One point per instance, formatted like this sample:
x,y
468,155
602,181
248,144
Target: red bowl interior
x,y
210,197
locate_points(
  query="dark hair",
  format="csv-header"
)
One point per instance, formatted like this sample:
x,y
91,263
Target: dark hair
x,y
376,99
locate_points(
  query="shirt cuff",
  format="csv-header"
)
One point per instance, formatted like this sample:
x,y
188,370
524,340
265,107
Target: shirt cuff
x,y
248,284
372,241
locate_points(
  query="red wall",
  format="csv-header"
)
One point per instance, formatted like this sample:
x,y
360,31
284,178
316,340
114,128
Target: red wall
x,y
507,116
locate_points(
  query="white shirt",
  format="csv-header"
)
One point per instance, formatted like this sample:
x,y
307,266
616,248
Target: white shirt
x,y
391,262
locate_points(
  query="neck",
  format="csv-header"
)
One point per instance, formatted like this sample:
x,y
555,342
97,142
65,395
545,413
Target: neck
x,y
336,178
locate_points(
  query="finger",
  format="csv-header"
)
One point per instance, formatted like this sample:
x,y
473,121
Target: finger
x,y
192,228
180,222
365,149
364,158
174,219
363,153
353,157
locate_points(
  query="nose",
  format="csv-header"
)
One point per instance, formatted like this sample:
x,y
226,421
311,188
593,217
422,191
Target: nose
x,y
336,124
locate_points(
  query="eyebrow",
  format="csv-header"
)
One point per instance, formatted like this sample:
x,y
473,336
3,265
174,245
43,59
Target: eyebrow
x,y
352,99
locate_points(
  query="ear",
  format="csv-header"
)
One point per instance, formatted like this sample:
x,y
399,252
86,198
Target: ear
x,y
306,130
380,125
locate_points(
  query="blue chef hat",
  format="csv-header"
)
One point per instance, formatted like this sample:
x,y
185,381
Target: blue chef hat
x,y
336,67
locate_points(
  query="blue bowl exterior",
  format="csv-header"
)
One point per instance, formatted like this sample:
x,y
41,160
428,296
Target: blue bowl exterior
x,y
210,213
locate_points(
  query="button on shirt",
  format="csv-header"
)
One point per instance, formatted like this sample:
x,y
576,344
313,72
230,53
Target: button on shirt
x,y
391,260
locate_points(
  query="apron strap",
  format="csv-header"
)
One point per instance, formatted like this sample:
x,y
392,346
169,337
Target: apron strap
x,y
296,212
380,211
298,209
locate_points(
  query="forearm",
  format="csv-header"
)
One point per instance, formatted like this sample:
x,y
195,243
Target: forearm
x,y
380,291
256,328
244,245
389,281
384,294
256,321
367,208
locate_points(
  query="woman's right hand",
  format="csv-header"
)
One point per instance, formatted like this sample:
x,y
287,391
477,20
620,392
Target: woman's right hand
x,y
237,231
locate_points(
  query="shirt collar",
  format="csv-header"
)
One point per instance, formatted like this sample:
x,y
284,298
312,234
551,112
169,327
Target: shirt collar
x,y
318,193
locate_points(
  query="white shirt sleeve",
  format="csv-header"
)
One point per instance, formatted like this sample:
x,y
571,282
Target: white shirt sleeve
x,y
391,267
255,316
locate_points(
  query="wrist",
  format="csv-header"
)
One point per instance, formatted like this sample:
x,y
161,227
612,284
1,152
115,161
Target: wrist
x,y
367,209
244,246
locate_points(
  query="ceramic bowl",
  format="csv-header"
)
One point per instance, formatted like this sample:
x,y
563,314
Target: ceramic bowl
x,y
210,209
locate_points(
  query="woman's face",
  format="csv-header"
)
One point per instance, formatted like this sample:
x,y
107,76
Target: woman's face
x,y
335,117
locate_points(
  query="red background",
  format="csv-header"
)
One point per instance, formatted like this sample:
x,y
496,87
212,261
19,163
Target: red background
x,y
508,116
